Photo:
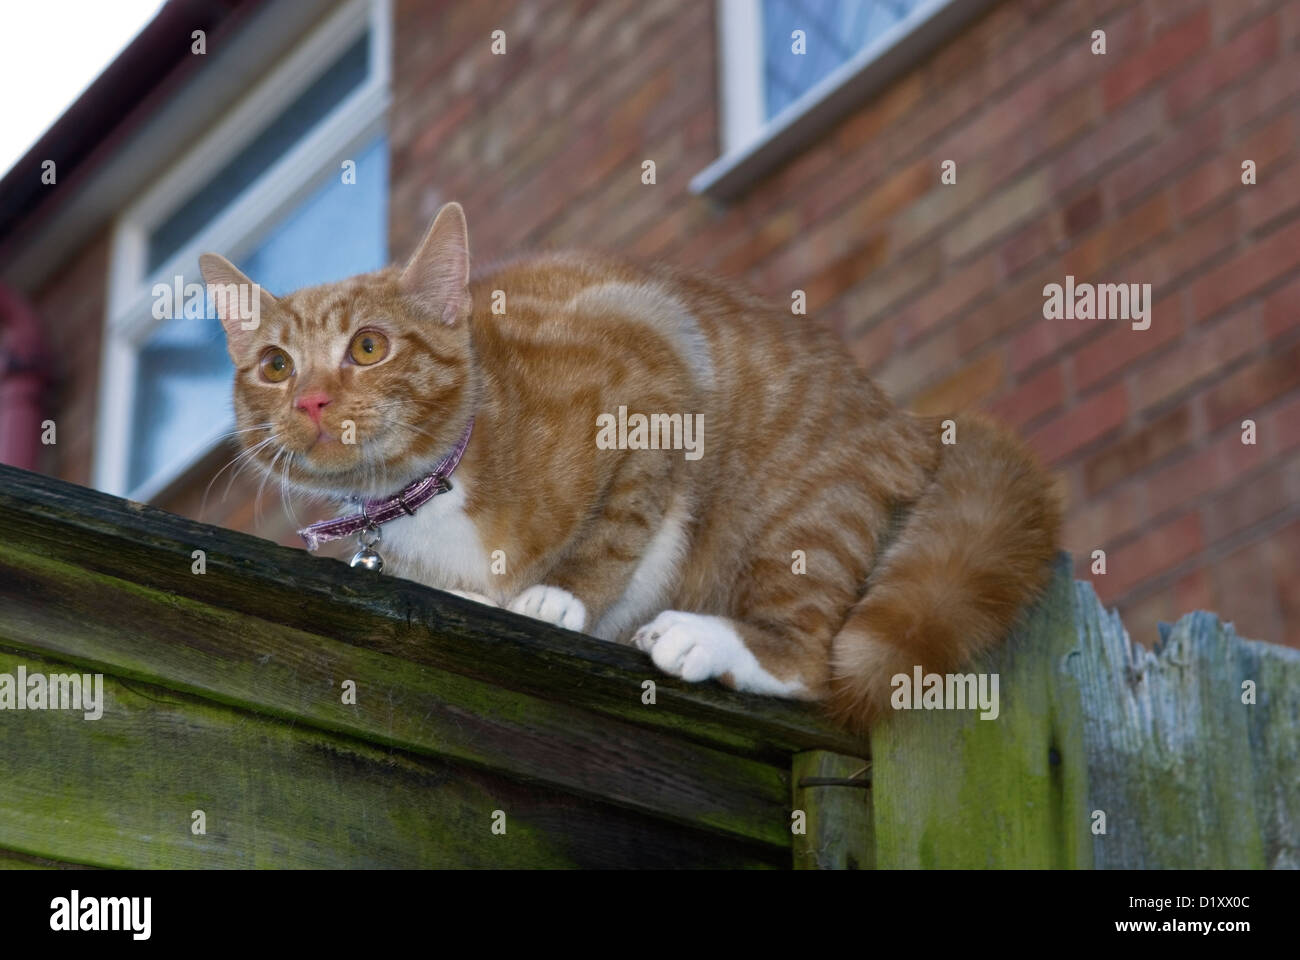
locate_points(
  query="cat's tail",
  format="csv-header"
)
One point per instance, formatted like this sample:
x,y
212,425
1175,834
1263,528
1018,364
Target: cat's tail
x,y
975,548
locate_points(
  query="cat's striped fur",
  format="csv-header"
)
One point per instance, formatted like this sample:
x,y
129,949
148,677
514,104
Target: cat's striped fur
x,y
914,552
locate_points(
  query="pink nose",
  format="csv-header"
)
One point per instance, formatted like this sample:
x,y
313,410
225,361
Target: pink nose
x,y
311,404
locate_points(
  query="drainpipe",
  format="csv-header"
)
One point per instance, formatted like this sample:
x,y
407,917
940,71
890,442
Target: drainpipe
x,y
24,372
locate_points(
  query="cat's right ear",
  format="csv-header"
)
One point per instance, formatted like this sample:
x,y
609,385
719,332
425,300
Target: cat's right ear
x,y
239,303
437,275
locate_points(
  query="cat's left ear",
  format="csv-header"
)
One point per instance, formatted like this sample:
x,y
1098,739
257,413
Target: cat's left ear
x,y
437,275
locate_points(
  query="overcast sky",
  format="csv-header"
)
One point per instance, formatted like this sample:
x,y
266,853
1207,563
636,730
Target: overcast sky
x,y
50,51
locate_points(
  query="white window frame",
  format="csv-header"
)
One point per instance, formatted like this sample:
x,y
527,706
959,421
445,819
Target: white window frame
x,y
753,146
239,228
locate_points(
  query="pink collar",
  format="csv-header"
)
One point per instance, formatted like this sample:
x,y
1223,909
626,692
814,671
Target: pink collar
x,y
403,503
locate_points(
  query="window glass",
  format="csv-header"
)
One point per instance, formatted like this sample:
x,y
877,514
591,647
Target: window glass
x,y
272,142
834,31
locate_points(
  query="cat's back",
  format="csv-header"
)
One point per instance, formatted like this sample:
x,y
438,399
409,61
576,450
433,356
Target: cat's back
x,y
715,324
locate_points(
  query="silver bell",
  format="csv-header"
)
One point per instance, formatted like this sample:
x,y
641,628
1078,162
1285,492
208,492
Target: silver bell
x,y
368,559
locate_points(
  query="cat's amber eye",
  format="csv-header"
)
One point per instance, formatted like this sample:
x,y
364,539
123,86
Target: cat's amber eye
x,y
276,365
368,346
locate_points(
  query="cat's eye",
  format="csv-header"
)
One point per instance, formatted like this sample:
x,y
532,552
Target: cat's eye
x,y
276,365
368,346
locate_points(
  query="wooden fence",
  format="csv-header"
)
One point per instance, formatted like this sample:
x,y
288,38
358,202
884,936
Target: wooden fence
x,y
481,739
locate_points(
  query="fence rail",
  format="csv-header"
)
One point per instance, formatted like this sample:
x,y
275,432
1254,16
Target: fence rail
x,y
224,697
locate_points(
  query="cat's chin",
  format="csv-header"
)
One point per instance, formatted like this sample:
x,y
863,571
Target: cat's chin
x,y
345,485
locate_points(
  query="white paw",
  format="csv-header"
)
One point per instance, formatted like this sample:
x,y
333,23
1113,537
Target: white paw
x,y
552,605
692,646
697,647
476,597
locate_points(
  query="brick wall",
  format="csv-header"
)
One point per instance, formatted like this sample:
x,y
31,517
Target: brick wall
x,y
1116,168
72,309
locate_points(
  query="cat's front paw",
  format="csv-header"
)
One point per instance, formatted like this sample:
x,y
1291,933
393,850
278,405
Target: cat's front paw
x,y
692,646
552,605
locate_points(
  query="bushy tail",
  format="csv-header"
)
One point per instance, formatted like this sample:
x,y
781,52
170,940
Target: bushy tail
x,y
974,550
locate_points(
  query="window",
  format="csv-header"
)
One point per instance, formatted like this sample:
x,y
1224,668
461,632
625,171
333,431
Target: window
x,y
792,68
265,188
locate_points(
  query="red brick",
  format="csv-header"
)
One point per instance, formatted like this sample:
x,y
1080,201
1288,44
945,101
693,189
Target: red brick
x,y
1044,337
1282,310
1027,246
1041,393
1247,272
1186,251
886,290
838,276
912,369
873,346
1259,497
1082,425
1216,466
1011,308
1264,92
1166,159
964,389
1245,591
1196,359
1139,226
1091,156
1172,48
1144,447
1102,521
1116,349
1213,181
1275,196
1248,51
1253,386
1280,429
955,292
1152,553
1229,16
1206,184
1083,213
997,215
1284,570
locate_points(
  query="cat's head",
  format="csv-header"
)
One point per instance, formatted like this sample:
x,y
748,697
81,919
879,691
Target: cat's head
x,y
359,386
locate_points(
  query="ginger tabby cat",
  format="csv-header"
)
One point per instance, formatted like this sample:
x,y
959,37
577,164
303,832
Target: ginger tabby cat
x,y
916,552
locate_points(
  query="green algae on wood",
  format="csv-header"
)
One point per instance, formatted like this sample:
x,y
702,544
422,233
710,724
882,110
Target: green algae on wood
x,y
121,791
953,790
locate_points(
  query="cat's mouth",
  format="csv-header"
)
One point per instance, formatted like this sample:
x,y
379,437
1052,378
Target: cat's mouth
x,y
346,455
336,457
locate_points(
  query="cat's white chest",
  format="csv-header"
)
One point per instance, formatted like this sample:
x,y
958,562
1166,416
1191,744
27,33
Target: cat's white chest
x,y
440,546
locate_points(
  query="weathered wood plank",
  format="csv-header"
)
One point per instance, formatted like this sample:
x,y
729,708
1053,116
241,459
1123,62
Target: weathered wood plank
x,y
1187,775
834,793
951,790
1158,741
47,607
120,791
248,575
